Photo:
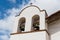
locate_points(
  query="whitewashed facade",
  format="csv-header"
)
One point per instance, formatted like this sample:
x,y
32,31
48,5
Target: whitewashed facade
x,y
48,28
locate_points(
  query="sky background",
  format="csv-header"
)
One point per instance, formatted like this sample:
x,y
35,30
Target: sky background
x,y
10,8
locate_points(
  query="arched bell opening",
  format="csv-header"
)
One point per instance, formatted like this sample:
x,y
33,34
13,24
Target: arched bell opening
x,y
35,23
21,25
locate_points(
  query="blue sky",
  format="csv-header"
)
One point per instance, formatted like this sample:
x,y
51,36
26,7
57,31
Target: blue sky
x,y
10,8
5,7
8,4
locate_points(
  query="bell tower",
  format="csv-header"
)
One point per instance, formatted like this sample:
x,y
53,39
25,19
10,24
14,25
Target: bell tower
x,y
30,24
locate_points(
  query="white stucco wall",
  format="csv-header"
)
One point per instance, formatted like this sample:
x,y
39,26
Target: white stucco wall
x,y
46,25
28,13
30,36
54,30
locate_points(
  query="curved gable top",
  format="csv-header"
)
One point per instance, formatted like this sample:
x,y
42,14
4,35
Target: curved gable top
x,y
34,6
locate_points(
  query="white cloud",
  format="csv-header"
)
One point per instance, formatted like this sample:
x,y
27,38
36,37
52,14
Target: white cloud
x,y
7,23
13,11
4,37
50,6
4,34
